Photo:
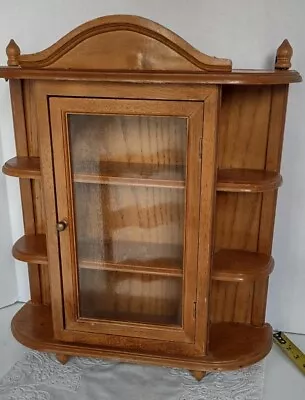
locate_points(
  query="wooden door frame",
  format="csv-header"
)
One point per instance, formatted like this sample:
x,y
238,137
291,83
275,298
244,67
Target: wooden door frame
x,y
210,95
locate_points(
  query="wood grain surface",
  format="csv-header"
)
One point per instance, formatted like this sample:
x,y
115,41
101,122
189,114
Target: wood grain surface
x,y
244,344
164,164
31,249
240,265
130,42
236,77
23,167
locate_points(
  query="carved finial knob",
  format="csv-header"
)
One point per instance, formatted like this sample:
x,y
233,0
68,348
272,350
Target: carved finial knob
x,y
283,56
13,53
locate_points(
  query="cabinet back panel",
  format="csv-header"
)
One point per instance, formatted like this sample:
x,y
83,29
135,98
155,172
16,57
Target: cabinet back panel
x,y
243,126
237,227
237,220
243,139
231,302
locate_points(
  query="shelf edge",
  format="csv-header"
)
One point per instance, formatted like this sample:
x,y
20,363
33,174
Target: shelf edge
x,y
137,269
262,269
31,249
12,168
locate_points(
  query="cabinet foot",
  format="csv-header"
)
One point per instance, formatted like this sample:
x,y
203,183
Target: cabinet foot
x,y
62,358
198,375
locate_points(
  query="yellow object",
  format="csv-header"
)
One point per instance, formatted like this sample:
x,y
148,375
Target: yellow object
x,y
290,349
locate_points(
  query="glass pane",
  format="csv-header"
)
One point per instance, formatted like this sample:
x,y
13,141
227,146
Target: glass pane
x,y
130,297
129,201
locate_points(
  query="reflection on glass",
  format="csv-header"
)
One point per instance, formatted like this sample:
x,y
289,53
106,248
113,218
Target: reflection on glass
x,y
130,297
129,202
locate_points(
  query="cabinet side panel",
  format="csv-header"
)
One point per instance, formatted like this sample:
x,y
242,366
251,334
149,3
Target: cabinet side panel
x,y
26,189
37,197
243,140
273,163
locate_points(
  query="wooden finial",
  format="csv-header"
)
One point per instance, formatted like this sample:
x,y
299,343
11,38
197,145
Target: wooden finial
x,y
13,53
283,56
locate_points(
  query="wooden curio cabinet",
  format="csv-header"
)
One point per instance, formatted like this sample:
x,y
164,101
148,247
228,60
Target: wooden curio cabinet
x,y
149,174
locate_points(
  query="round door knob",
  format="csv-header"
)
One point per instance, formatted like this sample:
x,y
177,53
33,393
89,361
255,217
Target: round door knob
x,y
61,225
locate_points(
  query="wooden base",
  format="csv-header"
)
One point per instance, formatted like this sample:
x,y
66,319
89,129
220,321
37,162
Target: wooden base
x,y
198,375
232,346
62,358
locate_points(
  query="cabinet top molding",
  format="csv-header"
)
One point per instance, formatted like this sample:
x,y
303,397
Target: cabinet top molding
x,y
120,42
134,49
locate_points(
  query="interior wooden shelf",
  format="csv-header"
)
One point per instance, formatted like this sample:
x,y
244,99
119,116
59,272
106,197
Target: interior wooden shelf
x,y
23,167
239,265
243,345
141,318
165,270
116,173
31,249
247,180
144,258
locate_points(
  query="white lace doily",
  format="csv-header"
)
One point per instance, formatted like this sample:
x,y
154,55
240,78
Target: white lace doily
x,y
40,376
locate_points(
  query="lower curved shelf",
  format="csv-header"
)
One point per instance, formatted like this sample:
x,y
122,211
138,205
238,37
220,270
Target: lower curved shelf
x,y
232,345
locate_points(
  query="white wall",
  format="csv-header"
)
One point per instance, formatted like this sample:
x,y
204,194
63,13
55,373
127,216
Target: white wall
x,y
8,287
248,33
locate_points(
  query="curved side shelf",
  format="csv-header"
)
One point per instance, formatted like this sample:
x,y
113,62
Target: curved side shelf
x,y
240,265
31,249
243,345
228,265
22,167
247,180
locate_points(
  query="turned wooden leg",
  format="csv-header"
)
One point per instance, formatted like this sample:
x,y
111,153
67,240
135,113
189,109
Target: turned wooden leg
x,y
62,358
198,374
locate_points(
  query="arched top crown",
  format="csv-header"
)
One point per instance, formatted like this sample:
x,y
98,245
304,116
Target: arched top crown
x,y
119,42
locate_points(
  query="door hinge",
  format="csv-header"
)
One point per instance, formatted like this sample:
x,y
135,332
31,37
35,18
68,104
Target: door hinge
x,y
200,148
194,309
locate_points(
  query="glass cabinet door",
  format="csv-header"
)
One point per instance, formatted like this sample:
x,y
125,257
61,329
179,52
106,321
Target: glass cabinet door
x,y
127,173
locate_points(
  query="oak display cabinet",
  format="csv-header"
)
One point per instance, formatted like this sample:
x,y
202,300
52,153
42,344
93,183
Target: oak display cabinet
x,y
149,175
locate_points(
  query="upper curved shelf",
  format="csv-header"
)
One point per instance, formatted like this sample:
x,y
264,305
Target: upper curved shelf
x,y
235,77
23,167
228,180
